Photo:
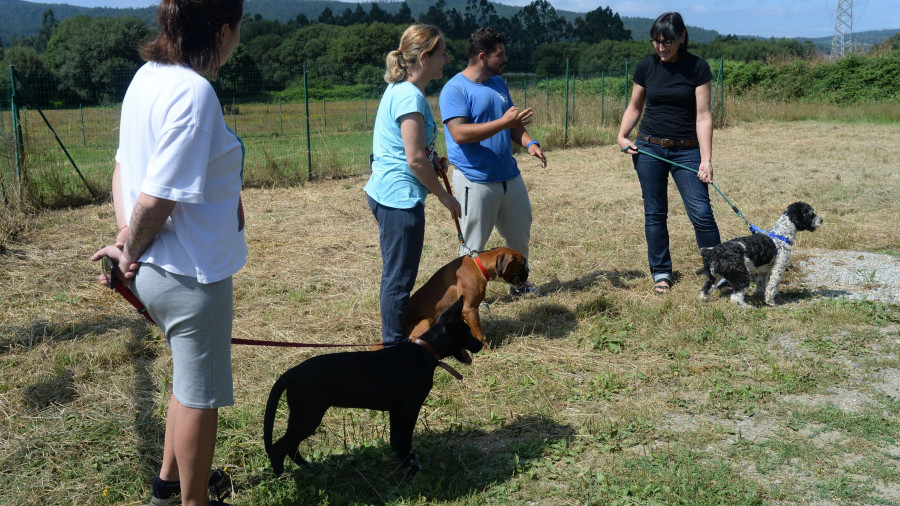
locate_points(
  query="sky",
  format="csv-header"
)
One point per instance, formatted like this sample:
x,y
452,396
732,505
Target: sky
x,y
768,18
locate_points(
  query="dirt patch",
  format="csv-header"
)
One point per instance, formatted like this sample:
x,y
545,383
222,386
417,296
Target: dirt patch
x,y
851,274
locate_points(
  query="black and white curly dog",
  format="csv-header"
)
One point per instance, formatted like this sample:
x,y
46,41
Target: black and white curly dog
x,y
765,254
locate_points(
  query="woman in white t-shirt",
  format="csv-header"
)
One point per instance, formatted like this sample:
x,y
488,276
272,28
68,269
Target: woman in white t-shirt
x,y
176,193
403,170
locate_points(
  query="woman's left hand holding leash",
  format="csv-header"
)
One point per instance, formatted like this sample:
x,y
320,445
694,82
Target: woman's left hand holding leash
x,y
124,268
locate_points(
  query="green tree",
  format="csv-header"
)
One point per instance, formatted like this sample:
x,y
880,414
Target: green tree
x,y
95,58
326,17
31,69
600,24
543,24
436,15
239,78
48,24
305,45
480,13
404,15
362,44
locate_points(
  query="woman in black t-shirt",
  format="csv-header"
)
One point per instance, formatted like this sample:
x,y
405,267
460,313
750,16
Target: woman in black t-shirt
x,y
672,88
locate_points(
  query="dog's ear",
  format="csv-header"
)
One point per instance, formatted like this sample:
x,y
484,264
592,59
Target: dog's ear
x,y
500,263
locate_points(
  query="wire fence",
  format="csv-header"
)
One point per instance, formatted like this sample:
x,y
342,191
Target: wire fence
x,y
64,154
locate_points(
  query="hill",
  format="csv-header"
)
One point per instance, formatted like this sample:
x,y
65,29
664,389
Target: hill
x,y
19,18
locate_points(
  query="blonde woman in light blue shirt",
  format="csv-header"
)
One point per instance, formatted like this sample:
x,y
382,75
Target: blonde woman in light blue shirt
x,y
403,170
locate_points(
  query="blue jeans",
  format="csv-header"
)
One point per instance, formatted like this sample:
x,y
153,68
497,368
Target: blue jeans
x,y
401,235
654,177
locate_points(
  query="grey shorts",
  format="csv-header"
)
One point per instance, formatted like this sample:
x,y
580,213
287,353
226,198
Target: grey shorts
x,y
196,320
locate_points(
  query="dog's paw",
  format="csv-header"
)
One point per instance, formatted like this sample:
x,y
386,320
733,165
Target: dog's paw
x,y
771,303
704,296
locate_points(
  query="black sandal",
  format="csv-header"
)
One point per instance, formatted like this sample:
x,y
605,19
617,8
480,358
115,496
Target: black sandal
x,y
662,286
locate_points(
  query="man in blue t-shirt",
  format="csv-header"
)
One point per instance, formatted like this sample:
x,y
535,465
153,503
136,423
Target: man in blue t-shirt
x,y
481,124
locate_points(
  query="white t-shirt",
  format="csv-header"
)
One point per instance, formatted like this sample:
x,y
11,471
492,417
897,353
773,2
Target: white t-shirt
x,y
174,144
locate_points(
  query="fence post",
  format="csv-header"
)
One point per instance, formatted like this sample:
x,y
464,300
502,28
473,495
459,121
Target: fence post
x,y
17,130
324,114
602,95
83,138
308,141
566,127
548,98
722,88
626,82
281,115
233,117
525,89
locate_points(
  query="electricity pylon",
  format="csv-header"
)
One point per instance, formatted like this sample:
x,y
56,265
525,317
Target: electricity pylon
x,y
842,41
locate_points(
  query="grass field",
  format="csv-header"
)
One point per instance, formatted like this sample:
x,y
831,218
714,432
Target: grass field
x,y
597,393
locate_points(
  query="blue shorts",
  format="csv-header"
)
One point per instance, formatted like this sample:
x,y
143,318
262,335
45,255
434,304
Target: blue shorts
x,y
196,319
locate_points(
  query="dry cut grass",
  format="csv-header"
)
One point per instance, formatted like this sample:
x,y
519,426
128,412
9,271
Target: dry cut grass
x,y
598,391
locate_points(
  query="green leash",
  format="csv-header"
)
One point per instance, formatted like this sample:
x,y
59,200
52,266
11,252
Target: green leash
x,y
733,207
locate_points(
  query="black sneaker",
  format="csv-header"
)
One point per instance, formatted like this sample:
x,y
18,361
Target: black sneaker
x,y
168,493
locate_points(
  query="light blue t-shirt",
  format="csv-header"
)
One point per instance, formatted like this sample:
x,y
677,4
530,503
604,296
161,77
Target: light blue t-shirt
x,y
491,160
392,182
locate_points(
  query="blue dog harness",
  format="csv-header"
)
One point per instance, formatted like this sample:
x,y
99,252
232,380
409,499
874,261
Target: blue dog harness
x,y
755,229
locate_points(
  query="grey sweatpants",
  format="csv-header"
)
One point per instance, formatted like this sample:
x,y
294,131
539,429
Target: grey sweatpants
x,y
486,205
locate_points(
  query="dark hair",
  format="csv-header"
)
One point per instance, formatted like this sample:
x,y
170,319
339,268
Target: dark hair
x,y
484,40
189,33
669,26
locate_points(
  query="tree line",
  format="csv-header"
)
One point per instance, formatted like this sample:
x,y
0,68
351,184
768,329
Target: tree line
x,y
91,60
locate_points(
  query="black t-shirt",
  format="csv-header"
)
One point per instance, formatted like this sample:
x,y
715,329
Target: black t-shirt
x,y
671,107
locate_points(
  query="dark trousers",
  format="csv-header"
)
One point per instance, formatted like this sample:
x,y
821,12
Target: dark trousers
x,y
401,234
654,177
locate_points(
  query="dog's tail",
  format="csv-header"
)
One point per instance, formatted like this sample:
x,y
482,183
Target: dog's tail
x,y
271,408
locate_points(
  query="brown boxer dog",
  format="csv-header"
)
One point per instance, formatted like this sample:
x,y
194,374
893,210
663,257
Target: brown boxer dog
x,y
463,278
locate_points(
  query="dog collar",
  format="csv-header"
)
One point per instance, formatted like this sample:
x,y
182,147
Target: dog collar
x,y
453,372
480,265
755,229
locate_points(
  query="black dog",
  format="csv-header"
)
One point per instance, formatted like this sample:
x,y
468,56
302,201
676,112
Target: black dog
x,y
765,254
395,379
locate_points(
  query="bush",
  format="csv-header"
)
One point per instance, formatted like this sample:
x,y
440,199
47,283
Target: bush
x,y
854,79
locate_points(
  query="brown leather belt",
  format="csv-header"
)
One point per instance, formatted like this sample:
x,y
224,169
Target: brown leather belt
x,y
669,143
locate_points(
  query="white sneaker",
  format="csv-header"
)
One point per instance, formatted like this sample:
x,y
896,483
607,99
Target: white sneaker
x,y
526,288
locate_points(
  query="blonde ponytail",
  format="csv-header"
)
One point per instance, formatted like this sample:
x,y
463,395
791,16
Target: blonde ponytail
x,y
417,39
396,70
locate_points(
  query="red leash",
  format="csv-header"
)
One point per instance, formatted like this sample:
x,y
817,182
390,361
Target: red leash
x,y
128,295
474,254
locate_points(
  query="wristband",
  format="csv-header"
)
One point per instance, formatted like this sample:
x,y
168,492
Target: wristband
x,y
532,142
